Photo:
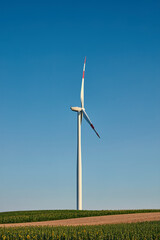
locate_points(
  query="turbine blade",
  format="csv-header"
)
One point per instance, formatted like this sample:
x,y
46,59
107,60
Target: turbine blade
x,y
82,86
89,121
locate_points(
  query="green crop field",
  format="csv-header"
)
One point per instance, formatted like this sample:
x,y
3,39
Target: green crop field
x,y
46,215
132,231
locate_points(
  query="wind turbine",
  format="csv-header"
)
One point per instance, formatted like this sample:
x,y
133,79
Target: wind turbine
x,y
80,113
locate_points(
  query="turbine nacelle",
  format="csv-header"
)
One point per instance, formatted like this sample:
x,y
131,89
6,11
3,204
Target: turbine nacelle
x,y
77,109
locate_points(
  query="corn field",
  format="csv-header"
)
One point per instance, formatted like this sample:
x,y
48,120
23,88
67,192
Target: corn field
x,y
132,231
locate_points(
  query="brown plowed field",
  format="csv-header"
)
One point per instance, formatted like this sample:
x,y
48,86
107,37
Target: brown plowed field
x,y
110,219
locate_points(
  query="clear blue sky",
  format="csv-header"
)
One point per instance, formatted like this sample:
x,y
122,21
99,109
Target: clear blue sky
x,y
42,50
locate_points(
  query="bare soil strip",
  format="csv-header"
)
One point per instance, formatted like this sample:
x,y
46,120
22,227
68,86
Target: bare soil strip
x,y
110,219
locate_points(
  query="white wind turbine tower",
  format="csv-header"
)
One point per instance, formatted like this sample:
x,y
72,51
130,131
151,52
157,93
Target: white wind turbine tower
x,y
80,113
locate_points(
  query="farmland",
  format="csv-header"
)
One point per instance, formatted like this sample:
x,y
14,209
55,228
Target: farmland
x,y
133,231
46,215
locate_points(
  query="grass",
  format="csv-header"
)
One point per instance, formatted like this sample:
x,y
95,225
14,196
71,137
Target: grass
x,y
46,215
132,231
